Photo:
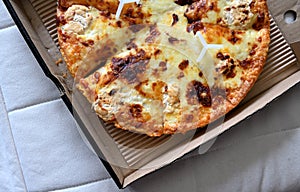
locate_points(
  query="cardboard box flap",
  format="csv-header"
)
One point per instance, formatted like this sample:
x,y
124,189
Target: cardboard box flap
x,y
287,16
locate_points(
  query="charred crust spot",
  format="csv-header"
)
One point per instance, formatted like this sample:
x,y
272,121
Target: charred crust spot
x,y
198,93
259,39
253,50
188,118
245,63
163,66
64,36
153,34
183,65
260,21
217,91
61,20
175,19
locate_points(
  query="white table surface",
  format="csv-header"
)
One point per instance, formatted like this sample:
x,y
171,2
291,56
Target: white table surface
x,y
41,149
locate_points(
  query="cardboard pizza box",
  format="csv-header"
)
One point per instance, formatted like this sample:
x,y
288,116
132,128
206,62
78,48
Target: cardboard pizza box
x,y
129,156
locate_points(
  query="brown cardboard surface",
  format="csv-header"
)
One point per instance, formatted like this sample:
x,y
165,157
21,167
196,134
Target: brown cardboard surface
x,y
128,160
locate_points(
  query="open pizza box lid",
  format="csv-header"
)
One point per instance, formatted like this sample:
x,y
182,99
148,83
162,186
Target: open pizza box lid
x,y
129,156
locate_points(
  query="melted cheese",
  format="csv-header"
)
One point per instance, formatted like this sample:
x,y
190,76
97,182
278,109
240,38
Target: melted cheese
x,y
157,97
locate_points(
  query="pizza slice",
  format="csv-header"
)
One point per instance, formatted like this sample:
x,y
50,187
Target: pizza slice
x,y
142,72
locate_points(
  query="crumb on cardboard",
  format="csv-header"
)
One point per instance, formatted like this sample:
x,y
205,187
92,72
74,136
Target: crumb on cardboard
x,y
58,61
64,75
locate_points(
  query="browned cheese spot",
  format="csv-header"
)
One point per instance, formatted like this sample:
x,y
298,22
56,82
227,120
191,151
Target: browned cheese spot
x,y
181,75
156,91
234,38
131,44
197,93
183,65
200,74
154,33
175,19
198,10
119,24
196,26
229,68
136,111
131,67
157,52
184,2
163,65
222,57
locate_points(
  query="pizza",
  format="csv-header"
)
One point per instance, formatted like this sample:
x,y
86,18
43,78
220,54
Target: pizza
x,y
163,67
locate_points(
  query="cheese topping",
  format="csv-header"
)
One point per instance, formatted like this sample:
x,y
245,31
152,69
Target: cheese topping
x,y
150,78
